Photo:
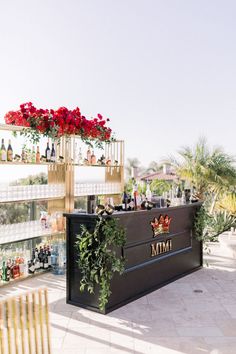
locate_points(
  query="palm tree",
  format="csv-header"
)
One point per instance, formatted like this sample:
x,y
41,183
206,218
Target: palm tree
x,y
153,167
132,163
211,172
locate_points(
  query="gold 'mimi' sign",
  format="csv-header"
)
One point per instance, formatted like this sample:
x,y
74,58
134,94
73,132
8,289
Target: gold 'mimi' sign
x,y
161,225
24,324
161,247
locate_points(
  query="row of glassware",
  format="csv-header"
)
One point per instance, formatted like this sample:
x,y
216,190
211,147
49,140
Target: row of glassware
x,y
28,192
82,189
29,229
45,191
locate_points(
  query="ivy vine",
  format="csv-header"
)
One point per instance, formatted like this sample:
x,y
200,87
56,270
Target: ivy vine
x,y
97,258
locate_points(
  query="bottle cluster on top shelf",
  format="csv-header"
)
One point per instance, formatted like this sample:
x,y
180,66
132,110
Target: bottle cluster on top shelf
x,y
90,159
29,155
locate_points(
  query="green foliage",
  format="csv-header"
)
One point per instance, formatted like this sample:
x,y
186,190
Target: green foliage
x,y
208,227
228,202
97,259
40,178
208,170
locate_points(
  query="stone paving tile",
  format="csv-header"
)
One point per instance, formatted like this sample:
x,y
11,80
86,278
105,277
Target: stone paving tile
x,y
172,320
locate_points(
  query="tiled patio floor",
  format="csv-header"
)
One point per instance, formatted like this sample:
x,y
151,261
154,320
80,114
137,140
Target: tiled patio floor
x,y
196,314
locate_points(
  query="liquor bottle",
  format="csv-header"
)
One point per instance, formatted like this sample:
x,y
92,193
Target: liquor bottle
x,y
21,263
37,155
3,152
49,256
9,152
48,152
45,261
36,260
15,269
33,155
41,257
80,157
93,159
89,155
23,155
135,194
5,272
53,154
148,193
31,267
125,201
178,192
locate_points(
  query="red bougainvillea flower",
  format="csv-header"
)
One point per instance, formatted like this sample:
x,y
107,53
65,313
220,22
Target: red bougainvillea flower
x,y
56,123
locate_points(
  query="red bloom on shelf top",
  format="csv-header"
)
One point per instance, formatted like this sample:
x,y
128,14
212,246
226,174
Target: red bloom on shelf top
x,y
56,123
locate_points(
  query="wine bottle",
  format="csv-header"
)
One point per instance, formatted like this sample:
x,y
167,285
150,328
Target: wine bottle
x,y
93,159
5,276
49,256
21,266
125,201
148,193
31,267
23,155
53,154
37,155
45,261
33,155
89,155
178,192
9,152
36,260
3,152
48,152
80,157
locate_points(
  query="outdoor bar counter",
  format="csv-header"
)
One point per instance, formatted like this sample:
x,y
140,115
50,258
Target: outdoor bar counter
x,y
156,253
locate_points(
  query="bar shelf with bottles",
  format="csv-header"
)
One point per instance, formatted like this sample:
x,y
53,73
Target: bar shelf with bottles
x,y
47,197
61,159
22,259
111,159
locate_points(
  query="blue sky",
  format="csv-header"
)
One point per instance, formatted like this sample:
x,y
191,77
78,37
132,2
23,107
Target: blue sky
x,y
164,71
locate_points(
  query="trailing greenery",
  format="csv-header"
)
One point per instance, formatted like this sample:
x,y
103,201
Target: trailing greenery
x,y
97,258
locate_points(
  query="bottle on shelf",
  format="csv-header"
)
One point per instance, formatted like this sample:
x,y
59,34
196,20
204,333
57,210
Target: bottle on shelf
x,y
45,261
5,271
80,157
89,154
148,193
3,152
31,267
21,263
178,192
37,155
9,152
33,155
23,155
48,153
53,154
125,201
36,260
93,159
49,256
41,257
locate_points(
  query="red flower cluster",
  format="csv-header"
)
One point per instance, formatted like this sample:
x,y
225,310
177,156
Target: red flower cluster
x,y
56,123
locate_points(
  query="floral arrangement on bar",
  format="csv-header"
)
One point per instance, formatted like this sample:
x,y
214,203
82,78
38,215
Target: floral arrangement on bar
x,y
57,123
